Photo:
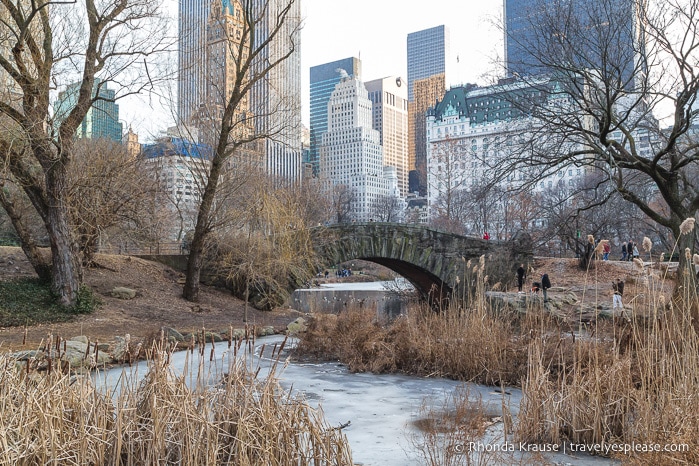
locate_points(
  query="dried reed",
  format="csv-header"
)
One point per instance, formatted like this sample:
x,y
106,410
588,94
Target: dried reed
x,y
53,418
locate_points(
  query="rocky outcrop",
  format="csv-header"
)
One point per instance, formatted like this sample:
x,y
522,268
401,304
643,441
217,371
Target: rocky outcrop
x,y
563,304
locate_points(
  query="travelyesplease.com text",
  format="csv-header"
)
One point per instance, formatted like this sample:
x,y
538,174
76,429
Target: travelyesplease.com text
x,y
605,449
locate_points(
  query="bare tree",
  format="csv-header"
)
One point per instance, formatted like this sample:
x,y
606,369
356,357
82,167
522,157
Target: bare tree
x,y
272,253
248,38
386,208
106,192
342,198
449,175
613,67
51,43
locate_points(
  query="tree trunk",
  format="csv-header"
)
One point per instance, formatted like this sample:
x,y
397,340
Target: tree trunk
x,y
190,292
66,273
685,269
195,262
27,242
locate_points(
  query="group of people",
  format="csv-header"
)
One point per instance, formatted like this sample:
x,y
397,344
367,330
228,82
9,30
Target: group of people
x,y
542,285
545,284
629,251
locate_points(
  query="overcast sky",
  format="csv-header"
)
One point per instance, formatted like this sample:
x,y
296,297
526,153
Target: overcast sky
x,y
375,31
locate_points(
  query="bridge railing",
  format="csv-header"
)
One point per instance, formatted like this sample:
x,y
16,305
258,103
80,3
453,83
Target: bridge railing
x,y
167,248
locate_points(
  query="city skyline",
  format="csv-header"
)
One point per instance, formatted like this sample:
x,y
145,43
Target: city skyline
x,y
378,42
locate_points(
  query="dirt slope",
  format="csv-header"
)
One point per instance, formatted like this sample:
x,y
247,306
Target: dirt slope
x,y
158,303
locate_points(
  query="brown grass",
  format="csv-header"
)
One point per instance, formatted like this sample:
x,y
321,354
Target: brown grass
x,y
457,344
53,418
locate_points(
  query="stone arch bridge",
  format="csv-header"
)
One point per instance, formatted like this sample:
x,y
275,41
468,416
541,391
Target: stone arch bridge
x,y
431,260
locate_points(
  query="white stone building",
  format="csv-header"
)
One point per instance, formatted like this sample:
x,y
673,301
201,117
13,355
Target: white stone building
x,y
351,154
471,132
180,168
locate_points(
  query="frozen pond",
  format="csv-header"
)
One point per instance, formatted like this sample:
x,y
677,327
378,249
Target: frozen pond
x,y
386,297
370,286
381,409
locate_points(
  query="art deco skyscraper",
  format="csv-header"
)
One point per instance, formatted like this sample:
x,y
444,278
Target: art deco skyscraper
x,y
428,52
351,154
275,100
324,78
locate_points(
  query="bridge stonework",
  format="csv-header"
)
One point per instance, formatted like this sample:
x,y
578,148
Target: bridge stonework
x,y
430,259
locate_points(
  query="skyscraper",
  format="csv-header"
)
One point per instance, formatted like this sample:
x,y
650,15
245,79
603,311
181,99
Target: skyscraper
x,y
275,101
323,80
351,154
101,120
389,97
603,33
428,52
191,66
428,62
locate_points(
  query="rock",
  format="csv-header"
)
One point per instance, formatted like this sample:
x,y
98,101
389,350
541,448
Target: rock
x,y
264,331
81,338
172,334
216,337
122,292
28,354
569,298
118,353
297,326
207,337
75,355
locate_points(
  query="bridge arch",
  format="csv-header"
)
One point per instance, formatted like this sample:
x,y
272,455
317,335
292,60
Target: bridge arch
x,y
430,259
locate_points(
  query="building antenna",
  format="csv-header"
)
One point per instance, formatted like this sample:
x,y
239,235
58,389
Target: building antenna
x,y
458,71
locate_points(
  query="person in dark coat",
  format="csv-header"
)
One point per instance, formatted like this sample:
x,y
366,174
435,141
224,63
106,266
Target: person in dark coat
x,y
623,251
629,251
521,274
545,285
618,288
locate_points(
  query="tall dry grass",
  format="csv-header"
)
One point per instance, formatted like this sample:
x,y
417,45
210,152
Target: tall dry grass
x,y
54,418
464,346
634,388
641,390
468,340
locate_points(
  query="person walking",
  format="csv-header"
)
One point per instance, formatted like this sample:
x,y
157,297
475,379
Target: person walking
x,y
545,285
618,288
629,250
521,275
636,254
623,251
606,249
